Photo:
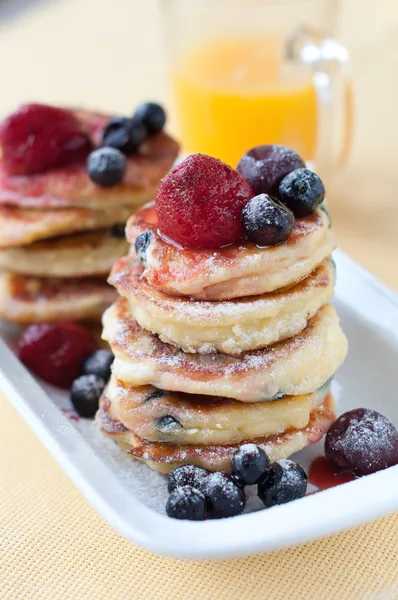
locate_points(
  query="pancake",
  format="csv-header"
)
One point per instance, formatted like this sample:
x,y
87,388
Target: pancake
x,y
19,226
33,300
165,457
177,418
229,326
78,255
293,367
234,271
70,186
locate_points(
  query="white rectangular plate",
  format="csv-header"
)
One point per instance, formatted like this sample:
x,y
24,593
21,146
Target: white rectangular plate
x,y
131,497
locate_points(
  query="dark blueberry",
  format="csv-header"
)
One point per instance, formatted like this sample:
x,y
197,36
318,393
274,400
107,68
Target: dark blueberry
x,y
223,497
249,464
118,231
286,481
124,134
186,503
141,244
85,394
186,475
99,364
168,424
302,191
264,167
152,115
155,395
360,442
267,222
106,166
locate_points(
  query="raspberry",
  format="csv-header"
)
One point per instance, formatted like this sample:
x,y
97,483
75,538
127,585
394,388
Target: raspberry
x,y
37,137
199,203
56,351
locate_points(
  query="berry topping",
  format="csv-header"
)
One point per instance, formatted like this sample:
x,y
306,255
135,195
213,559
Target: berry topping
x,y
99,364
264,167
106,166
85,394
360,442
186,503
266,221
56,351
118,231
199,203
186,475
223,497
37,137
249,465
286,481
153,117
124,134
141,245
302,191
168,424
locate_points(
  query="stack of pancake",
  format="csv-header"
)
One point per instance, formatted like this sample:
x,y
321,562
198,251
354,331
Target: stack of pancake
x,y
215,348
60,233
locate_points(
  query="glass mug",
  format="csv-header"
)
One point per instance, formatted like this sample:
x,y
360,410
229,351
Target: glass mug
x,y
249,72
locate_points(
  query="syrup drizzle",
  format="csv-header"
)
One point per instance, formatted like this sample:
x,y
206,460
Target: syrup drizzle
x,y
323,477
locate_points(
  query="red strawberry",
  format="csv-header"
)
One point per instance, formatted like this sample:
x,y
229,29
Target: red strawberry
x,y
37,137
56,351
199,203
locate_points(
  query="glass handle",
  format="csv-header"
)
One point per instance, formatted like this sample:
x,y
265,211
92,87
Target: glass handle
x,y
328,62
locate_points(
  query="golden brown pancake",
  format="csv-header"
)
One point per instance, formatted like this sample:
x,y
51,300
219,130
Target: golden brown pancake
x,y
242,269
32,299
165,457
77,255
160,416
70,186
233,326
293,367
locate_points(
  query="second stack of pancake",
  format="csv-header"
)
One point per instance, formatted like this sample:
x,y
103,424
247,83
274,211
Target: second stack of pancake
x,y
201,367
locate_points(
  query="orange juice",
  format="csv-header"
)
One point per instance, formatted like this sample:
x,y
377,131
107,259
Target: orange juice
x,y
233,94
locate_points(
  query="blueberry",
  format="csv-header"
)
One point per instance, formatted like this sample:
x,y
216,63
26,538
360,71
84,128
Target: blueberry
x,y
168,424
124,134
249,465
186,475
154,395
99,364
286,481
106,166
267,222
153,117
264,167
85,394
141,245
302,191
118,231
223,497
186,503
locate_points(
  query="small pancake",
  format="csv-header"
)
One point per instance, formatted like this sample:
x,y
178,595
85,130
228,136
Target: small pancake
x,y
235,271
293,367
78,255
19,226
158,416
229,326
165,457
70,186
33,300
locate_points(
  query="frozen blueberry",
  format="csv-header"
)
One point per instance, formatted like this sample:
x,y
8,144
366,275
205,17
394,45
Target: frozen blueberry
x,y
249,465
124,134
85,394
302,191
141,245
186,503
223,497
186,475
286,481
360,442
106,166
168,424
99,364
267,222
152,115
